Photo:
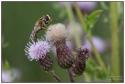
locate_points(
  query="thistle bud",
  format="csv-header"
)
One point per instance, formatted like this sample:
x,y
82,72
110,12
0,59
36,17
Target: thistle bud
x,y
64,56
57,35
79,64
46,63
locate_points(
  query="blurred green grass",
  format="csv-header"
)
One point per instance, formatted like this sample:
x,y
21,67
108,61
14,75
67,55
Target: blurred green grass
x,y
18,20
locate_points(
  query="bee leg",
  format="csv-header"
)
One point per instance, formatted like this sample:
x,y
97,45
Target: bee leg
x,y
44,26
46,29
35,36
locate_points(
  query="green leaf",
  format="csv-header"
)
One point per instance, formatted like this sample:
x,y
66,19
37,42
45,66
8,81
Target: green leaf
x,y
95,13
90,67
99,73
91,19
94,16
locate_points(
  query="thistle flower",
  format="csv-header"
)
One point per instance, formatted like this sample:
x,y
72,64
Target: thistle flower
x,y
38,51
79,65
57,35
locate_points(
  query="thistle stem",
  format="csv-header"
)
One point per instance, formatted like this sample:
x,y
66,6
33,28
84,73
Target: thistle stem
x,y
71,75
54,75
114,38
97,56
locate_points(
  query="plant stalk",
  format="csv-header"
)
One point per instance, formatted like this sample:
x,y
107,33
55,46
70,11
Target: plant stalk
x,y
54,75
71,75
97,56
114,38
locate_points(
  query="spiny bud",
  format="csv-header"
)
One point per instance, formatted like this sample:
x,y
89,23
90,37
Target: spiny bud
x,y
79,64
64,56
83,53
46,63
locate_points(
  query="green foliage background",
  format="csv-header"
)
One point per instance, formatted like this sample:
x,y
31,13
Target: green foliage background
x,y
18,19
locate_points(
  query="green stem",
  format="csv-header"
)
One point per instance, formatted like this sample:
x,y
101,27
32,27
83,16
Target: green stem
x,y
54,75
72,20
97,56
114,38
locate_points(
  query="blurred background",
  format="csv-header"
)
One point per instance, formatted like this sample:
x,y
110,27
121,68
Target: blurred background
x,y
18,20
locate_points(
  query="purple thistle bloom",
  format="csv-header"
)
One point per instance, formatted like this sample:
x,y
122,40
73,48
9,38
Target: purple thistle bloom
x,y
37,50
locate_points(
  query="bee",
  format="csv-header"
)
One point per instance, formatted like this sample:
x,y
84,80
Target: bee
x,y
40,24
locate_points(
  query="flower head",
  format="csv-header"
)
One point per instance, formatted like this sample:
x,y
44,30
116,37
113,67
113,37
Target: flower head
x,y
65,57
83,53
79,64
37,50
46,63
57,34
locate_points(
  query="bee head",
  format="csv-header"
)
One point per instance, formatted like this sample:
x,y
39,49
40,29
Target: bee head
x,y
47,18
